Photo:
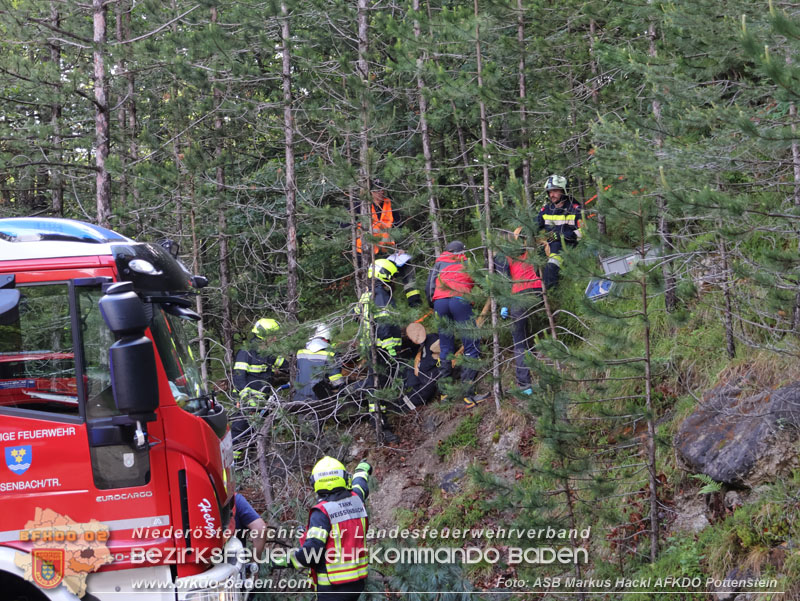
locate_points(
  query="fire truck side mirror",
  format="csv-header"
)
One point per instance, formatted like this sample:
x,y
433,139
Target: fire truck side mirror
x,y
134,377
9,306
9,300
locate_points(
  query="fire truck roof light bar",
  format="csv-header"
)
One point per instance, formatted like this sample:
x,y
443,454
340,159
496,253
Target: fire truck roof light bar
x,y
27,229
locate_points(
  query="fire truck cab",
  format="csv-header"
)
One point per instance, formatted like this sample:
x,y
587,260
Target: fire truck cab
x,y
118,479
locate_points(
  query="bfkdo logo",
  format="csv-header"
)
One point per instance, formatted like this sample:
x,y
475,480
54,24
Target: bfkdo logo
x,y
48,567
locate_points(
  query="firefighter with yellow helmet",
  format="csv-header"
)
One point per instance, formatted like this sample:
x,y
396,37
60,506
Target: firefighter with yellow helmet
x,y
334,542
253,369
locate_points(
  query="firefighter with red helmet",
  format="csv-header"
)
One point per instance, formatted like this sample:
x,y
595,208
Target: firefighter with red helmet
x,y
334,542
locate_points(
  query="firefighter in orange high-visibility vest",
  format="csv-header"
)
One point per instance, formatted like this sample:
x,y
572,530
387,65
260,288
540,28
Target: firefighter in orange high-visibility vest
x,y
383,217
334,542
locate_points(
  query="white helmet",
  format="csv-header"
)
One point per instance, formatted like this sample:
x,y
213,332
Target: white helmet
x,y
400,258
556,182
321,338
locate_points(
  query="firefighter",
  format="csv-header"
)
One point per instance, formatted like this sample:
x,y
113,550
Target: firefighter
x,y
334,542
253,375
419,379
383,219
525,282
560,220
382,274
253,371
318,369
448,282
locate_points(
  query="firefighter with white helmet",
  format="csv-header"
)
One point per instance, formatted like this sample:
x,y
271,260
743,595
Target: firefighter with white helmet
x,y
334,542
560,220
318,369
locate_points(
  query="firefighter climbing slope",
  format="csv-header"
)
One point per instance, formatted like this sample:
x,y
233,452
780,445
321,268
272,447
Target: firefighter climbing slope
x,y
333,545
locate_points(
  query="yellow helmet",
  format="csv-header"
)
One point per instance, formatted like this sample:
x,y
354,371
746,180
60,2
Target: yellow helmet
x,y
383,269
329,474
264,326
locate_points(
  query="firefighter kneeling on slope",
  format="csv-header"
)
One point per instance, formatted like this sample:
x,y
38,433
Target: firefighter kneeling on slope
x,y
560,220
319,373
333,545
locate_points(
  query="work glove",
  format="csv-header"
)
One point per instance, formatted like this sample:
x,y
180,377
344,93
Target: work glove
x,y
504,313
552,236
364,466
282,561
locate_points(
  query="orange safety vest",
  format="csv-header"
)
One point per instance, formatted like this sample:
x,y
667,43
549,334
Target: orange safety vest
x,y
381,224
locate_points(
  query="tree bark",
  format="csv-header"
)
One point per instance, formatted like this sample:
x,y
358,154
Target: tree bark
x,y
102,128
487,210
426,139
56,179
291,182
648,383
664,233
222,226
523,113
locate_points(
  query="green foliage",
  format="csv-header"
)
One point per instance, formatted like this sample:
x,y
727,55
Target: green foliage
x,y
465,436
463,511
709,484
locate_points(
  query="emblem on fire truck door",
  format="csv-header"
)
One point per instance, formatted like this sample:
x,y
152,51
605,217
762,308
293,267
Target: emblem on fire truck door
x,y
18,459
48,567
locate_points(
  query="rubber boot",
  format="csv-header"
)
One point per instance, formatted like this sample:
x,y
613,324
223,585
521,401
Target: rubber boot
x,y
387,435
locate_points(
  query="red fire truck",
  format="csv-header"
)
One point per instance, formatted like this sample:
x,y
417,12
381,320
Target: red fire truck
x,y
118,478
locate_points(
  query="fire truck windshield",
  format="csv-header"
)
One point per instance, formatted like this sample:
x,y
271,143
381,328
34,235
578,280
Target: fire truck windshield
x,y
172,343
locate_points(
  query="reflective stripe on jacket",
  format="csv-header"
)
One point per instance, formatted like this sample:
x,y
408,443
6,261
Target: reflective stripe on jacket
x,y
345,549
254,371
314,367
565,221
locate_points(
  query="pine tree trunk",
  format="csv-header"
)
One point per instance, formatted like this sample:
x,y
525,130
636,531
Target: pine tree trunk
x,y
601,219
730,340
796,169
102,129
651,427
222,227
487,214
664,234
56,179
426,139
291,182
197,267
523,114
366,197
